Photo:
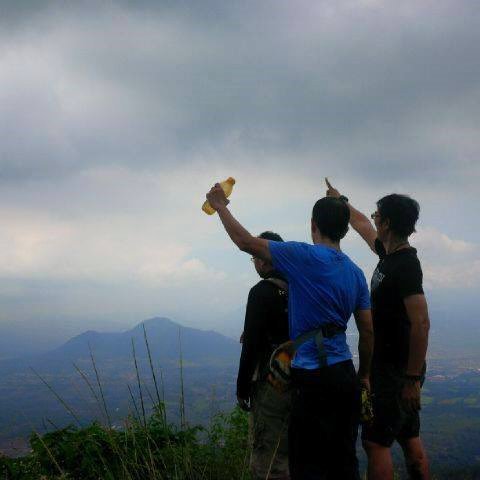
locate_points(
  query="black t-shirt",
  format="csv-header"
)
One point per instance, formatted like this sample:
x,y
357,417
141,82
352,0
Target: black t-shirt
x,y
397,276
266,326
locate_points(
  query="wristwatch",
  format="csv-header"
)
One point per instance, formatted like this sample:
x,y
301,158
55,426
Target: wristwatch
x,y
343,198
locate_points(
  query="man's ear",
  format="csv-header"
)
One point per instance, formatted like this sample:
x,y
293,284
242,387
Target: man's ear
x,y
313,227
265,263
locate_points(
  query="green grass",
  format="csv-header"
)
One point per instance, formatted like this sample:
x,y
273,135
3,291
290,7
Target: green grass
x,y
154,451
147,447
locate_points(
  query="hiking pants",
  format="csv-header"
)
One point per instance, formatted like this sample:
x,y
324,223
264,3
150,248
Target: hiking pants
x,y
268,424
324,423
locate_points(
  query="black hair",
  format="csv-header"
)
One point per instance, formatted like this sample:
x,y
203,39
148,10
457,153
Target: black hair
x,y
271,236
401,211
331,216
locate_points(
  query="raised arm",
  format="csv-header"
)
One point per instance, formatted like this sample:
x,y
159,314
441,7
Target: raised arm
x,y
358,220
258,247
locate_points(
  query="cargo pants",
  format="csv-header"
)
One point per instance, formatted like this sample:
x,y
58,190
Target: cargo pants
x,y
268,428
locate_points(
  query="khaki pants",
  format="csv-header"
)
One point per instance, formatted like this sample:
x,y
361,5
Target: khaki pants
x,y
268,425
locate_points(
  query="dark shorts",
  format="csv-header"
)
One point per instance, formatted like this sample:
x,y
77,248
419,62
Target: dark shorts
x,y
324,423
391,422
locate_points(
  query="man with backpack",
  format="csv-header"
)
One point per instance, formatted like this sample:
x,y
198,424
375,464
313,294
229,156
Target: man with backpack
x,y
325,288
266,327
401,325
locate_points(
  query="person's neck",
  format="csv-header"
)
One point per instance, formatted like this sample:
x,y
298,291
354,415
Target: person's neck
x,y
327,242
393,244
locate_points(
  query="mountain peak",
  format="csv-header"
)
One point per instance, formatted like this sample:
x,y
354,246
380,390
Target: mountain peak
x,y
155,324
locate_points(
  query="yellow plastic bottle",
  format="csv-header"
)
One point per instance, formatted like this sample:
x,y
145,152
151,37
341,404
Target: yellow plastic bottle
x,y
227,187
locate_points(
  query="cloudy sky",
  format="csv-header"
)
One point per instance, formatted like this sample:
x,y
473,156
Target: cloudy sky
x,y
117,116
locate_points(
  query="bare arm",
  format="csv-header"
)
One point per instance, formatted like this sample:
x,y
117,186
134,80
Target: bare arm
x,y
360,223
363,319
417,311
258,247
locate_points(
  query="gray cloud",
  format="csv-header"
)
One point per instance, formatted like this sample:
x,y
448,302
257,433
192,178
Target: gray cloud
x,y
109,107
364,85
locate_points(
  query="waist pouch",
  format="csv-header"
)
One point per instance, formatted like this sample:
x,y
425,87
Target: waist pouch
x,y
280,364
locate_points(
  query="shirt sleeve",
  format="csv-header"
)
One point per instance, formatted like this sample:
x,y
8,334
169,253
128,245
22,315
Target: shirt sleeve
x,y
379,248
363,302
287,257
409,278
254,339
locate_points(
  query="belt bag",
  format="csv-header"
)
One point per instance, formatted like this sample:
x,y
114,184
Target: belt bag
x,y
279,374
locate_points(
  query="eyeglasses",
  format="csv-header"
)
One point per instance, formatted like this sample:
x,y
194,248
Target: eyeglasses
x,y
374,215
253,259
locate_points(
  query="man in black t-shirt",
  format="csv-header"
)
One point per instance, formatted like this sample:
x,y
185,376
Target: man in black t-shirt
x,y
401,325
266,327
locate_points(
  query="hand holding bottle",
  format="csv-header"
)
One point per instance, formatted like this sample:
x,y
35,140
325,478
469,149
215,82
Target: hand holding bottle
x,y
217,196
216,199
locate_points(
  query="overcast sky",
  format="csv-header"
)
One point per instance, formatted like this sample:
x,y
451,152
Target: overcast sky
x,y
116,117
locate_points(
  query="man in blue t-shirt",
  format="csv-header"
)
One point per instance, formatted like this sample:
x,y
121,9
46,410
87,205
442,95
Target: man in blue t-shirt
x,y
325,288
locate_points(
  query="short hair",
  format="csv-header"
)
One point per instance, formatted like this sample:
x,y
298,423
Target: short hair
x,y
401,211
268,235
331,216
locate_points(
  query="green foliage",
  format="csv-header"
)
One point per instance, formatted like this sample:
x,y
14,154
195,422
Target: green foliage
x,y
139,451
227,445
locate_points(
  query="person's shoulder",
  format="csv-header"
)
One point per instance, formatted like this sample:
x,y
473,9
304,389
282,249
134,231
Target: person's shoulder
x,y
326,252
406,265
262,289
410,259
355,267
358,272
289,248
290,244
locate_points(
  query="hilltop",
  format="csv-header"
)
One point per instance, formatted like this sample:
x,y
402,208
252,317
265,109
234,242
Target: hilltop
x,y
209,368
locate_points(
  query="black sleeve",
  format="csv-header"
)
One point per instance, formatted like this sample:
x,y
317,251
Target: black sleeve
x,y
409,278
379,248
254,338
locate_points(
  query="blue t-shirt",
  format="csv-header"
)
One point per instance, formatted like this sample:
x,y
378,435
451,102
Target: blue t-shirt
x,y
325,287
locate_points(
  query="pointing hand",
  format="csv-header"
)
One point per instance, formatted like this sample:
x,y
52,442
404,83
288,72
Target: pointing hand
x,y
331,192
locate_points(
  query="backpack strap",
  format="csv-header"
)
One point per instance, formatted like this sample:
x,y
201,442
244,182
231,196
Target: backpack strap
x,y
319,334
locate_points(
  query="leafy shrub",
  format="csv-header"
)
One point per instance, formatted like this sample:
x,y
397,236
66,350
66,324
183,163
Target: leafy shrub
x,y
153,450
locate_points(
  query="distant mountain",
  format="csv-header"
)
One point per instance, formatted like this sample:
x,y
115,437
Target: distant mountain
x,y
164,336
209,359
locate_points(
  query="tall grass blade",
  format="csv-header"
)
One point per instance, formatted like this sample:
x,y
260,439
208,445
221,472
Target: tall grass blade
x,y
151,363
182,391
160,401
59,398
45,446
162,387
92,390
100,386
134,403
142,403
113,442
